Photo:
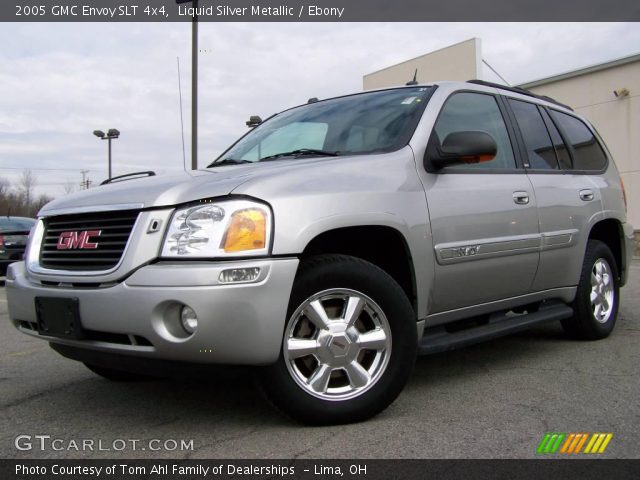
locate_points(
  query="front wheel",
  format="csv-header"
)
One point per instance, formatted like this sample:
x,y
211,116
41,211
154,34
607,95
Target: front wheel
x,y
349,344
597,296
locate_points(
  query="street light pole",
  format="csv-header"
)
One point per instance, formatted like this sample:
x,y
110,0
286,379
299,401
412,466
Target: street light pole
x,y
111,134
109,141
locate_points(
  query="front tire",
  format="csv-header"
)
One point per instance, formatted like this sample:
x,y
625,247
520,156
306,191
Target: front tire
x,y
349,343
597,297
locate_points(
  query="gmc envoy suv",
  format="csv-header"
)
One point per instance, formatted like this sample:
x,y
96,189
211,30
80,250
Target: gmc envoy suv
x,y
336,241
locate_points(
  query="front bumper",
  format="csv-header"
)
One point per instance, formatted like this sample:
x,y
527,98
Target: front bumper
x,y
238,324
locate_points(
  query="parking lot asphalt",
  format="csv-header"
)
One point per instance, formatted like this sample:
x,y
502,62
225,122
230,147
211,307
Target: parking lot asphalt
x,y
493,400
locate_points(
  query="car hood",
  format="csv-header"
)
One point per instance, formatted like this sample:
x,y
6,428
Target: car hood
x,y
168,190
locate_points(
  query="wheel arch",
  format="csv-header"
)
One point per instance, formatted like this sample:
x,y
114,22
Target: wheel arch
x,y
609,231
364,241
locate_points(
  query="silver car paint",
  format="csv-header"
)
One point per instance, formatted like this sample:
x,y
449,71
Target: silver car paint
x,y
312,196
239,324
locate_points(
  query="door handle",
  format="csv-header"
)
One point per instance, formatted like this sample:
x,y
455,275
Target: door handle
x,y
521,198
586,195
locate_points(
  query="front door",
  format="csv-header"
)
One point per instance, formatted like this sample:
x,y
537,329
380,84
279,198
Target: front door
x,y
484,218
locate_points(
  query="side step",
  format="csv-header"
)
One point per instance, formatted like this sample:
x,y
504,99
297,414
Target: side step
x,y
437,339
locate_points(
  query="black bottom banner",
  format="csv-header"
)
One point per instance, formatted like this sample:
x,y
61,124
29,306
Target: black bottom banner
x,y
319,469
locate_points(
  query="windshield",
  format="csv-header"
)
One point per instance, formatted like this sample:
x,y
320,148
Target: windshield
x,y
380,121
16,224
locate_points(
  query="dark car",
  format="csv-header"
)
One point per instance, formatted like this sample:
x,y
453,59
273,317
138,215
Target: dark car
x,y
13,239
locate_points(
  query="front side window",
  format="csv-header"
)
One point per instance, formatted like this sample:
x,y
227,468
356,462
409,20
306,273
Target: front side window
x,y
540,150
381,121
588,154
470,112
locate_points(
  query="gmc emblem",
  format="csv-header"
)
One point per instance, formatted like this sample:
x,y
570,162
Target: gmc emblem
x,y
78,240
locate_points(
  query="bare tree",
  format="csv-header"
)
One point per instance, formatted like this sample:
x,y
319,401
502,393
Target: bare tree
x,y
21,201
4,187
69,187
27,183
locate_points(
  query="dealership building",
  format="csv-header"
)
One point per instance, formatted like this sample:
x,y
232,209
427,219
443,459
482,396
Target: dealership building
x,y
608,94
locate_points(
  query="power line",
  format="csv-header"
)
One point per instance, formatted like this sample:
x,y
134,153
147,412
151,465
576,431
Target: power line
x,y
184,156
41,169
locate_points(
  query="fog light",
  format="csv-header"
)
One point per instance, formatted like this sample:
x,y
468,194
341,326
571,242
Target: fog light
x,y
239,275
189,320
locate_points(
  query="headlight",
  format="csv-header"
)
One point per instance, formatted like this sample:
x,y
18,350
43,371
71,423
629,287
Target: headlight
x,y
237,227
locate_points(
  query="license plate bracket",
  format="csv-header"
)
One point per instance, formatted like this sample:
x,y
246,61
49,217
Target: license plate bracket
x,y
59,317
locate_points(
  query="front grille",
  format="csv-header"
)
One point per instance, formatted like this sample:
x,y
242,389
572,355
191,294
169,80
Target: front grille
x,y
114,227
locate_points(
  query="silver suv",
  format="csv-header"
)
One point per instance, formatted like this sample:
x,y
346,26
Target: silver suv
x,y
336,241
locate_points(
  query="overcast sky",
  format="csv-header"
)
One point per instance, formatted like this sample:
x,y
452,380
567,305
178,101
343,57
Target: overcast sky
x,y
59,82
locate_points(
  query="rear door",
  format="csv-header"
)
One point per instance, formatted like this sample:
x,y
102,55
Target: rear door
x,y
483,216
568,197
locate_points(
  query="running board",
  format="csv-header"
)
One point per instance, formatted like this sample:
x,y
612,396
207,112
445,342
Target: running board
x,y
437,339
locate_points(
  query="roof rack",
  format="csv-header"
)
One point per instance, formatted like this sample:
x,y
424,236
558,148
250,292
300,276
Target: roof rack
x,y
521,91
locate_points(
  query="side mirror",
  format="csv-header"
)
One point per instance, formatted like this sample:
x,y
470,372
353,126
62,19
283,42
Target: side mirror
x,y
462,147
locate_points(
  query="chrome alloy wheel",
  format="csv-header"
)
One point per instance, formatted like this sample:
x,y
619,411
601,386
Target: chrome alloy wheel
x,y
337,344
602,291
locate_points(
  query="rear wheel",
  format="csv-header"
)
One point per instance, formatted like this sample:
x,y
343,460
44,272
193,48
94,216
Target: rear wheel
x,y
349,344
597,297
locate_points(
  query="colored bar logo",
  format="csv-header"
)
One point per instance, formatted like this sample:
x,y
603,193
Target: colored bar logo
x,y
574,443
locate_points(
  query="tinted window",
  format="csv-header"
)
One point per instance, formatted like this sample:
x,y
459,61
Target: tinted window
x,y
536,138
476,112
562,152
588,155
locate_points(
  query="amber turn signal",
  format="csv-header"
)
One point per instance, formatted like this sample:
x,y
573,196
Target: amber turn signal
x,y
247,231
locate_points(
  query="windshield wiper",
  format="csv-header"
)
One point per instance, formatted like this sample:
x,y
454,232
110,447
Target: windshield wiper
x,y
300,152
228,161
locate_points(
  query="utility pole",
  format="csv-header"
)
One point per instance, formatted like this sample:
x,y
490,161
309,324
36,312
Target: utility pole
x,y
194,90
84,185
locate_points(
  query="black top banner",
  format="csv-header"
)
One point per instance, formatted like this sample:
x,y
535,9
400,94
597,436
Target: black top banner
x,y
320,10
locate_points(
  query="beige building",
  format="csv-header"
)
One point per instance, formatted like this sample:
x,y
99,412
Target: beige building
x,y
607,94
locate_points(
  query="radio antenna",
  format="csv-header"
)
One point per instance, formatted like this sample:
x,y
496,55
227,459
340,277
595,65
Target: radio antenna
x,y
184,155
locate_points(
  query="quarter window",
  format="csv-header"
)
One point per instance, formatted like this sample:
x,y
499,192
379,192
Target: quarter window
x,y
588,154
476,112
540,151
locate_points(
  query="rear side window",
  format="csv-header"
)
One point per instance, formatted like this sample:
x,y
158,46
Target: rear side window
x,y
476,112
540,150
562,152
588,154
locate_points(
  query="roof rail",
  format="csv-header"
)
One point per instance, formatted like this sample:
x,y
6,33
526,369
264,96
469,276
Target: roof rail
x,y
521,91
